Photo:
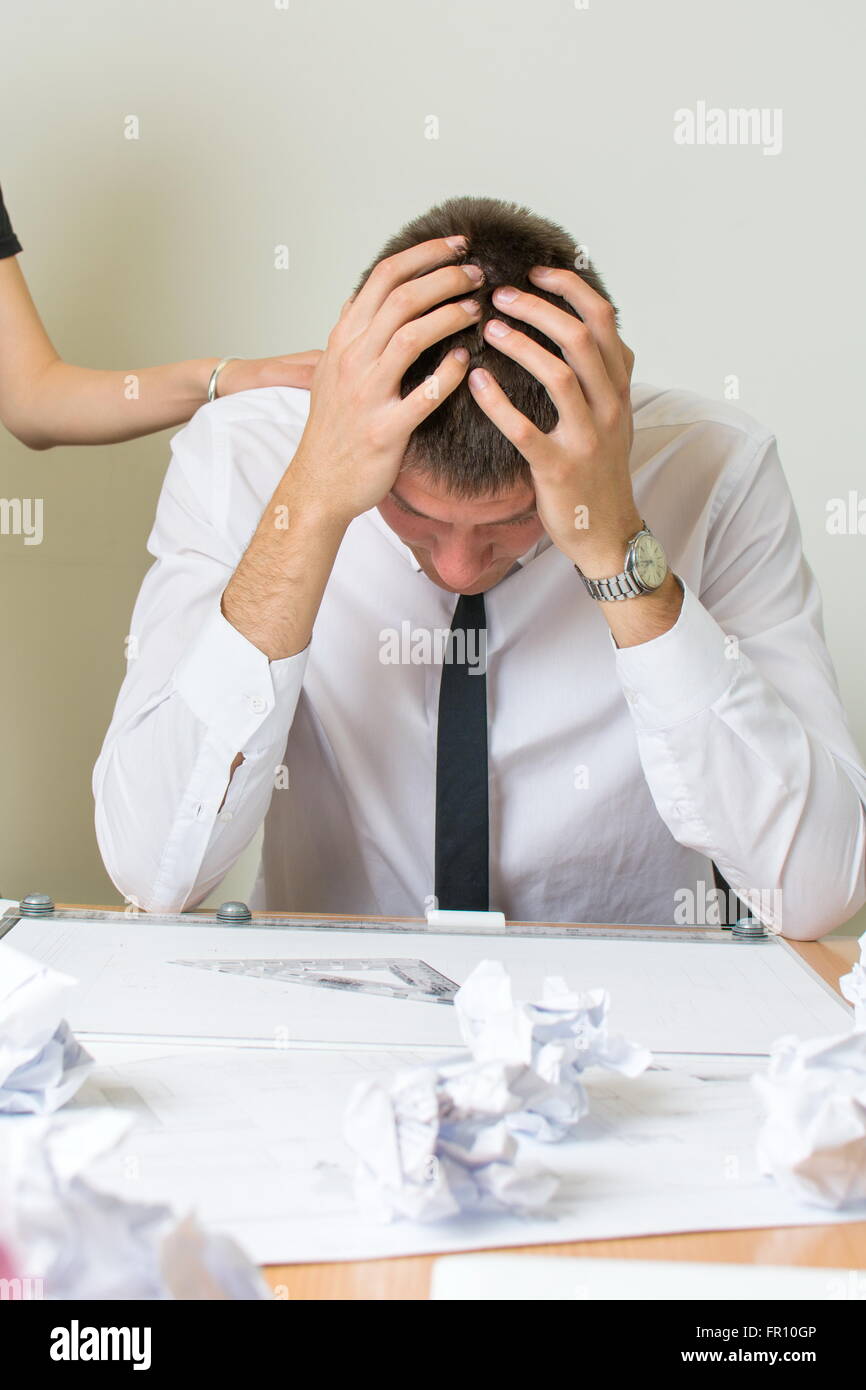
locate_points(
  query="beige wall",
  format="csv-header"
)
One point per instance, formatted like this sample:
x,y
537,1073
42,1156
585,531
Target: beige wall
x,y
307,125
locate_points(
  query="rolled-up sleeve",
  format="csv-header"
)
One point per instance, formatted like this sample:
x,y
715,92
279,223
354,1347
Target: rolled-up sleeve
x,y
741,731
196,694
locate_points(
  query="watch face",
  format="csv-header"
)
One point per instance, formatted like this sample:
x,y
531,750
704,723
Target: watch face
x,y
650,561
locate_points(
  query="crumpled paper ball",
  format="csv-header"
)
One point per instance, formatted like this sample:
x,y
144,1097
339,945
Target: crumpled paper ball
x,y
41,1063
76,1241
555,1040
435,1143
813,1138
853,986
444,1138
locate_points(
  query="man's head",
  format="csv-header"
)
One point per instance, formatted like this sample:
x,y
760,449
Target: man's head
x,y
466,492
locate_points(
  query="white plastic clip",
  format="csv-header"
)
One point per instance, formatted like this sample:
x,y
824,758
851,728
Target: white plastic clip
x,y
458,920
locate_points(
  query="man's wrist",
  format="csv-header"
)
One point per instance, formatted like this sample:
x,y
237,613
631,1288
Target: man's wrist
x,y
310,502
601,557
647,616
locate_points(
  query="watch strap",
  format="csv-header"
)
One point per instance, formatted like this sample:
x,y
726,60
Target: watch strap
x,y
618,586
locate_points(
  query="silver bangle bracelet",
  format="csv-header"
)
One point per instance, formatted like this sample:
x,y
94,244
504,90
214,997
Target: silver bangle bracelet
x,y
214,377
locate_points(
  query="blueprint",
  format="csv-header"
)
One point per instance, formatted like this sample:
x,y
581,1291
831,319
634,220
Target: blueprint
x,y
251,1139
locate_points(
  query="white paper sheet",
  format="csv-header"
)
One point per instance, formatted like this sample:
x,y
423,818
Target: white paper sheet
x,y
549,1278
672,996
251,1139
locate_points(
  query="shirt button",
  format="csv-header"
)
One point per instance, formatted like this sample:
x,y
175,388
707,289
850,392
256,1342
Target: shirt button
x,y
631,695
226,815
256,703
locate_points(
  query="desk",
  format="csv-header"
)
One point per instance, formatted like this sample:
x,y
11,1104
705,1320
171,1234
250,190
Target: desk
x,y
839,1247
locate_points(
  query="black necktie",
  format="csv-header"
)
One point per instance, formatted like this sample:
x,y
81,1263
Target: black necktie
x,y
462,835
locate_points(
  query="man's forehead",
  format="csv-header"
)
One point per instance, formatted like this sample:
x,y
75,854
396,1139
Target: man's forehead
x,y
431,498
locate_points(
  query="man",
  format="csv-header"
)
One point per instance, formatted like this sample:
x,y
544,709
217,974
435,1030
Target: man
x,y
579,751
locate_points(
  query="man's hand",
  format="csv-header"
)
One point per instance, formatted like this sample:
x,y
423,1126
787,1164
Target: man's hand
x,y
355,438
359,427
580,470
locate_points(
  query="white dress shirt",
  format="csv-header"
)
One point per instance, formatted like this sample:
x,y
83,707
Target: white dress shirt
x,y
616,775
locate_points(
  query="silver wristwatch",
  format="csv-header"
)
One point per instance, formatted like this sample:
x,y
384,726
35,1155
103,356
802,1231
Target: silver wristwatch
x,y
645,569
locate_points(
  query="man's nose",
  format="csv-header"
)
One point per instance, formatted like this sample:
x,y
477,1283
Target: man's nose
x,y
459,563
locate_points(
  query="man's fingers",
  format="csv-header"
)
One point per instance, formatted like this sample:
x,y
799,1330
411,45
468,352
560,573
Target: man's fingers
x,y
424,399
413,337
575,339
408,302
490,396
595,311
556,376
394,271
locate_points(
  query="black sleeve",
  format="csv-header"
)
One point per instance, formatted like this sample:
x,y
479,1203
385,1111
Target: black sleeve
x,y
9,243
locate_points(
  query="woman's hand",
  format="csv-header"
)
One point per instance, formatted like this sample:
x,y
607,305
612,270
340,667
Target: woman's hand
x,y
247,374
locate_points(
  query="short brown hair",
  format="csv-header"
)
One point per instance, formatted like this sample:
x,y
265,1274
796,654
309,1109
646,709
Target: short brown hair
x,y
457,444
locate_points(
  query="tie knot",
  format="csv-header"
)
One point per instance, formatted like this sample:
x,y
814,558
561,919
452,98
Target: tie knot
x,y
469,612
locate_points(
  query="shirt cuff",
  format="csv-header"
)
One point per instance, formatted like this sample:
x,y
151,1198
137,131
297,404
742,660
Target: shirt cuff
x,y
677,675
233,689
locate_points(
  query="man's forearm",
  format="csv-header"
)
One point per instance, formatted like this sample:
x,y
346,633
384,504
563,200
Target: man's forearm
x,y
274,594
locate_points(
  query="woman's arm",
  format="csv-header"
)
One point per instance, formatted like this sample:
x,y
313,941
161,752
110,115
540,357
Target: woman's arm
x,y
45,401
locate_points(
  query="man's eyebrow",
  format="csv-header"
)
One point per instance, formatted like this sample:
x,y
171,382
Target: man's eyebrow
x,y
506,520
